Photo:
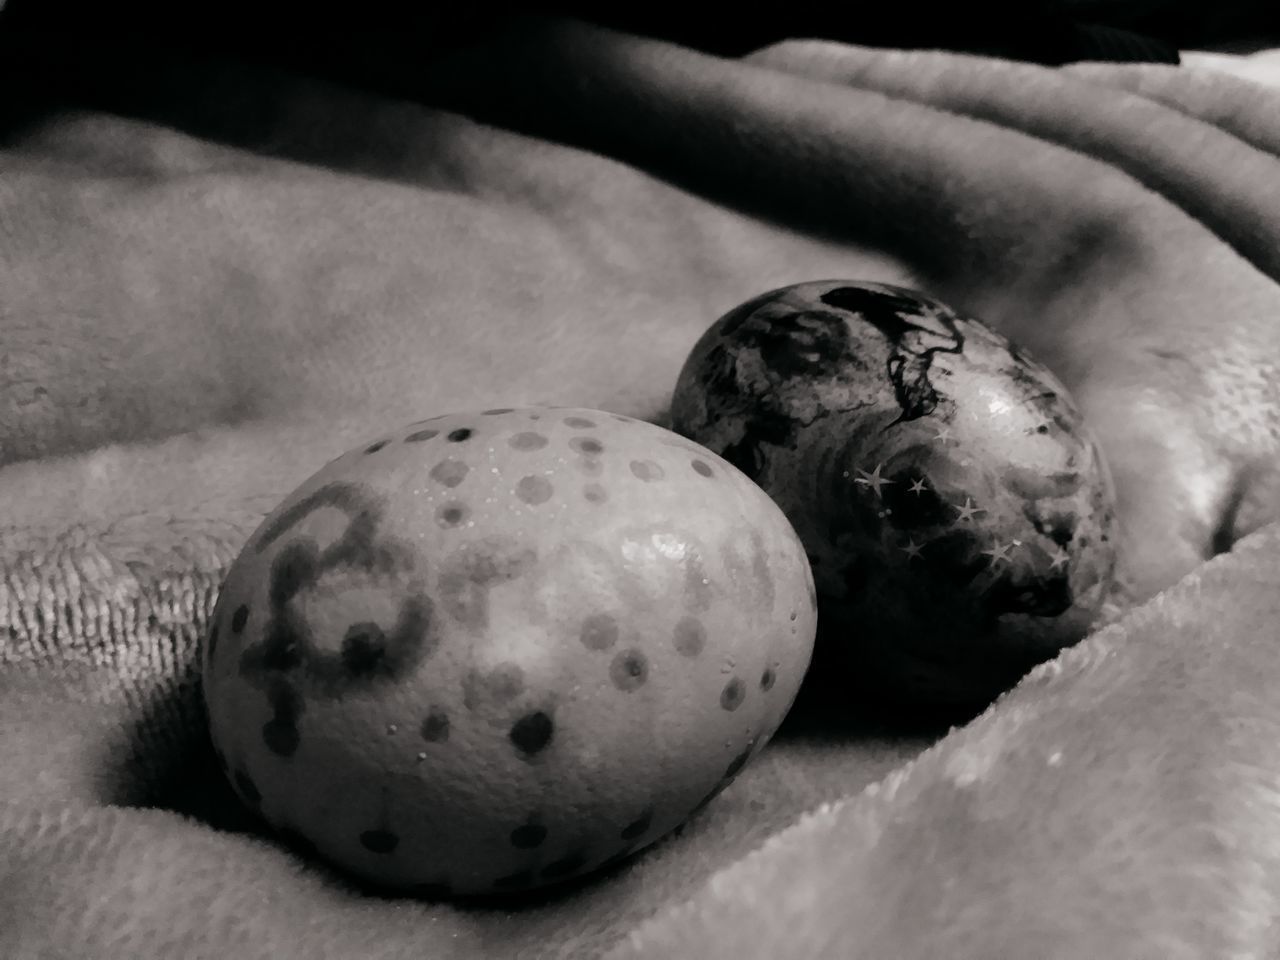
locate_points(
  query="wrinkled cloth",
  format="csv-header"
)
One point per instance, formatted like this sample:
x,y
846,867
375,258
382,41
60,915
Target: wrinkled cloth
x,y
214,278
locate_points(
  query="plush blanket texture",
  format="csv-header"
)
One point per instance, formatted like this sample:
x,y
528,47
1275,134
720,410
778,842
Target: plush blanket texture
x,y
215,277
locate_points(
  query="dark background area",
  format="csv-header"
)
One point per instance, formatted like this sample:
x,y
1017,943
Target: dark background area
x,y
1046,31
126,54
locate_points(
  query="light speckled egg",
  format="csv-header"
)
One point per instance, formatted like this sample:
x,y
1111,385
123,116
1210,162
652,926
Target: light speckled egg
x,y
956,510
493,651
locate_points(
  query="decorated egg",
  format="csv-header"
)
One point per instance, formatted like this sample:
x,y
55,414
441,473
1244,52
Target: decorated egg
x,y
493,651
956,511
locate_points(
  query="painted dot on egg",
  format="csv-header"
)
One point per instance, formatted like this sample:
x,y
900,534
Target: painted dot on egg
x,y
566,865
418,436
736,765
435,728
587,446
689,636
499,685
527,440
534,490
363,649
248,789
297,841
579,423
706,800
702,467
639,826
433,889
595,493
450,472
452,514
646,470
599,631
459,435
768,678
528,835
533,732
239,618
733,694
515,881
379,840
280,733
375,447
629,670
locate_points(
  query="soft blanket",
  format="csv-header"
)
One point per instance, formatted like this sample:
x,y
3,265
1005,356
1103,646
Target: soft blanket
x,y
216,277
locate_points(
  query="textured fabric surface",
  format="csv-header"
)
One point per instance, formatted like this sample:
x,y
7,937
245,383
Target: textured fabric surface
x,y
215,278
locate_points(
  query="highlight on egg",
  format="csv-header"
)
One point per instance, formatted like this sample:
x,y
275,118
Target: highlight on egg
x,y
492,651
957,512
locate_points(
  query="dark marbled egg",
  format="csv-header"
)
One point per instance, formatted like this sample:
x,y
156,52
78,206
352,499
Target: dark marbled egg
x,y
957,513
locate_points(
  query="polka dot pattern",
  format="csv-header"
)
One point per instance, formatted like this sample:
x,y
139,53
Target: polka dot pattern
x,y
434,890
280,733
534,490
528,835
514,881
452,514
435,728
599,631
363,648
736,765
450,472
690,636
528,440
629,670
733,694
646,470
565,866
639,826
297,841
532,733
663,613
380,841
248,789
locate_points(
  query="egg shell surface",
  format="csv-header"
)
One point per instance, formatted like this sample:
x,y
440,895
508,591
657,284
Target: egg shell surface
x,y
493,651
957,512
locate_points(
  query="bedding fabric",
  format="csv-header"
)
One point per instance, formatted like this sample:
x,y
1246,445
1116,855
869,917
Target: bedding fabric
x,y
215,277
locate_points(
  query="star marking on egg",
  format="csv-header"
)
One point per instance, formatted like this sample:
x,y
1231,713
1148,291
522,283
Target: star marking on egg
x,y
917,486
944,434
1059,559
967,511
912,549
998,552
873,479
